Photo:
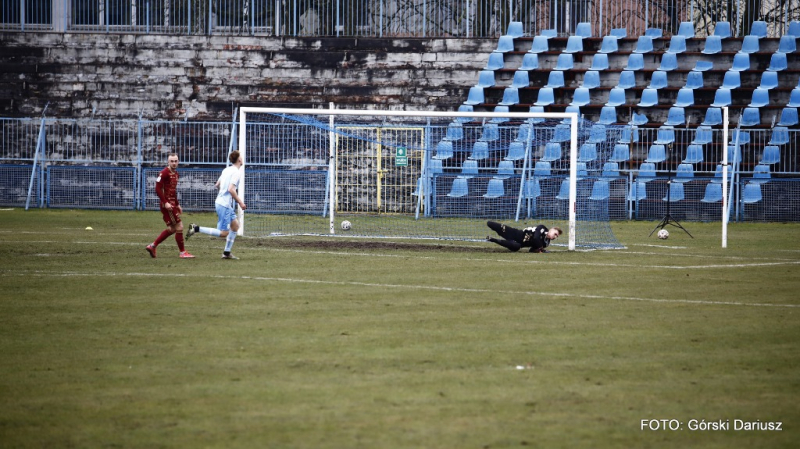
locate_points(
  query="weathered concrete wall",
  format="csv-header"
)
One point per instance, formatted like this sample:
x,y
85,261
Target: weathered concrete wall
x,y
206,77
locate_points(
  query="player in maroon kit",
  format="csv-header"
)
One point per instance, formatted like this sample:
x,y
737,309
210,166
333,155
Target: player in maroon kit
x,y
167,191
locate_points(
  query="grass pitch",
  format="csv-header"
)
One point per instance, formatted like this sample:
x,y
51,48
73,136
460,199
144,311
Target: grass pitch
x,y
330,343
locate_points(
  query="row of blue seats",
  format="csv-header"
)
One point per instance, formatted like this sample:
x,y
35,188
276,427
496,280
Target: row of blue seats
x,y
713,192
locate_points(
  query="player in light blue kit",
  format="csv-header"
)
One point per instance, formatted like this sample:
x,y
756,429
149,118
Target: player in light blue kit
x,y
227,198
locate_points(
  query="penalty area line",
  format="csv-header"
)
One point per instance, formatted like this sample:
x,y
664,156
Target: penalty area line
x,y
403,286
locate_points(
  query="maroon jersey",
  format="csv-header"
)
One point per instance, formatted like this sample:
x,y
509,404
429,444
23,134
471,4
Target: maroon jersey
x,y
167,187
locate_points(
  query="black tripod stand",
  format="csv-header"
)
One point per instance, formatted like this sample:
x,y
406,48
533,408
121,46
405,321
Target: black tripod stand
x,y
668,220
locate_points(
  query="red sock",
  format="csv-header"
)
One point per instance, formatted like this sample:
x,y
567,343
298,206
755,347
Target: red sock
x,y
163,236
179,239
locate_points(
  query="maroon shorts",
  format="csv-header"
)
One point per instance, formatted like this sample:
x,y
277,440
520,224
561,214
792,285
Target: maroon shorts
x,y
171,217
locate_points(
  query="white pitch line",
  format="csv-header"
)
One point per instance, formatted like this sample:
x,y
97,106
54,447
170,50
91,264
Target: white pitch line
x,y
405,286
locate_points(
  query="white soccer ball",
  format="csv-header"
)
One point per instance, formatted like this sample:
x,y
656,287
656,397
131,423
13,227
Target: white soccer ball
x,y
663,234
346,225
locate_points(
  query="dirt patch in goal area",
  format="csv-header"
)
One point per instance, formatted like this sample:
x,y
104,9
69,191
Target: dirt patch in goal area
x,y
334,244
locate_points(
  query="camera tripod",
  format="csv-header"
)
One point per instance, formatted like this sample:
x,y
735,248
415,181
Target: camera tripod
x,y
668,219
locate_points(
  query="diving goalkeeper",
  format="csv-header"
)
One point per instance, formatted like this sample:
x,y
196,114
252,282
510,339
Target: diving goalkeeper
x,y
537,239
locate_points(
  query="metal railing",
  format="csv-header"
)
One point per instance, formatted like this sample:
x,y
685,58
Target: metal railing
x,y
390,18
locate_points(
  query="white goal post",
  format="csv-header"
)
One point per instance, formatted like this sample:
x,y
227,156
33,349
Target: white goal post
x,y
247,149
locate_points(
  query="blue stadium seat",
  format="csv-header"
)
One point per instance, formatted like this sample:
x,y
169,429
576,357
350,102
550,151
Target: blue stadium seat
x,y
535,109
490,132
619,33
546,97
734,154
780,136
583,29
694,154
552,152
732,80
778,62
638,119
532,188
515,29
541,169
647,171
713,117
563,192
722,29
760,98
677,44
610,170
750,117
574,44
654,33
752,193
635,62
702,135
495,62
616,97
722,98
530,62
505,44
788,117
741,62
665,136
686,29
669,61
761,173
597,134
676,116
649,98
444,149
685,97
703,66
495,188
713,45
694,80
627,79
540,44
794,98
794,28
591,79
555,79
571,108
501,109
658,80
771,155
455,131
718,175
480,150
600,191
638,191
564,62
622,153
599,62
713,193
485,78
750,44
436,166
587,152
525,133
475,96
759,28
516,151
510,96
629,135
469,168
644,45
739,137
552,32
610,44
656,154
460,188
521,79
675,192
769,80
684,173
788,44
608,115
581,97
465,108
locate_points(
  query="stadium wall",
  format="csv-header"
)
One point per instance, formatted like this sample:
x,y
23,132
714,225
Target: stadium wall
x,y
203,77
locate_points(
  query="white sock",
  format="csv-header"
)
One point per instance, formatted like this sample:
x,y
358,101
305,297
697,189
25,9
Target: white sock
x,y
210,231
229,241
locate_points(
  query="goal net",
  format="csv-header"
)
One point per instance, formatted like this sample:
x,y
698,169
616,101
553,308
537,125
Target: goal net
x,y
442,175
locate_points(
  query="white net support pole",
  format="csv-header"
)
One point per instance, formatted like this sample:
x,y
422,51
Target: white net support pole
x,y
242,151
332,172
725,199
573,178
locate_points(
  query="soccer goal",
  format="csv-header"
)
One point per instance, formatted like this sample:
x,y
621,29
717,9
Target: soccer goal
x,y
440,175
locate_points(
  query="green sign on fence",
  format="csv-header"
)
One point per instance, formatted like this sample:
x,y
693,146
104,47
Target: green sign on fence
x,y
400,157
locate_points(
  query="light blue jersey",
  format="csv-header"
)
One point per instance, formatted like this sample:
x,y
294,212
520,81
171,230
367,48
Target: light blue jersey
x,y
230,176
